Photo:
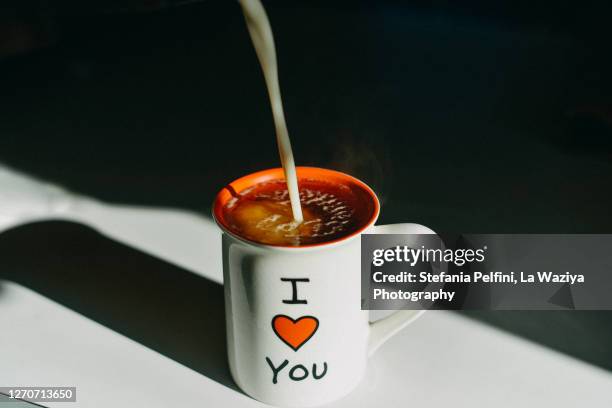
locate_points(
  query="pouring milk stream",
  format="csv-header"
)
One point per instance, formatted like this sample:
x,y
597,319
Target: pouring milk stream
x,y
263,41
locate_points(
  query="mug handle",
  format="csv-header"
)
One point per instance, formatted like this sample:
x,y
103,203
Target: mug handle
x,y
385,328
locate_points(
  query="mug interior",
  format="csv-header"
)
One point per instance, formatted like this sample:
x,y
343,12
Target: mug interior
x,y
233,190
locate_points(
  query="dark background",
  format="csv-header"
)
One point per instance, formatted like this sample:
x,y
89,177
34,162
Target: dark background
x,y
474,116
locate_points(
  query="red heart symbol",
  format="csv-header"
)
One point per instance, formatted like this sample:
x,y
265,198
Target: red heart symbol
x,y
295,333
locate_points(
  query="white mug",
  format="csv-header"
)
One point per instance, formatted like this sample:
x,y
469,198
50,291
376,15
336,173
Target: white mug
x,y
296,334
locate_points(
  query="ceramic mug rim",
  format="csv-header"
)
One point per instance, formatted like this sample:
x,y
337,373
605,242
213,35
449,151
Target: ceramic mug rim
x,y
234,188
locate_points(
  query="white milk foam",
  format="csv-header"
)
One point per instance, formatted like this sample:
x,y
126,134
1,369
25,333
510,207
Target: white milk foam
x,y
337,214
263,41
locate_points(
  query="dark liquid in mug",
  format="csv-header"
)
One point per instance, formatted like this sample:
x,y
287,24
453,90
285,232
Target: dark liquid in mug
x,y
331,211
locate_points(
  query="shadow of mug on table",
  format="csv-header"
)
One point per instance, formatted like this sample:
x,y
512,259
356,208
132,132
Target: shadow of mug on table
x,y
161,306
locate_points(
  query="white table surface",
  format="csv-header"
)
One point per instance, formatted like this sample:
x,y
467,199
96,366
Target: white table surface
x,y
441,360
